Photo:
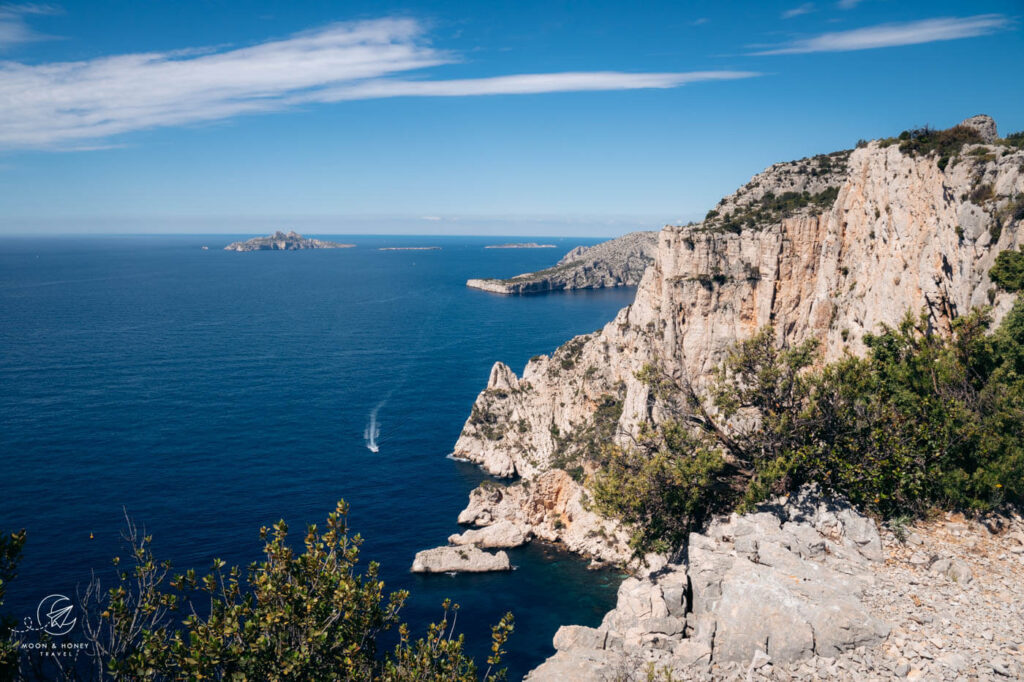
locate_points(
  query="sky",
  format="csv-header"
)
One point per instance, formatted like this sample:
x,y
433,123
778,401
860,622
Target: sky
x,y
430,117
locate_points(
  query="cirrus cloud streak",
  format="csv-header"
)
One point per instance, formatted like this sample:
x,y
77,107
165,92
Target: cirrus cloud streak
x,y
84,104
893,35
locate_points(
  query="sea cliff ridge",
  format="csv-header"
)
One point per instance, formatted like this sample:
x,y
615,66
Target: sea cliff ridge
x,y
831,248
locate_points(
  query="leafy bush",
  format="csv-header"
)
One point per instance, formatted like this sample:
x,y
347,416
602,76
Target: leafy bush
x,y
926,420
947,143
11,545
1008,271
296,615
661,489
772,208
1014,139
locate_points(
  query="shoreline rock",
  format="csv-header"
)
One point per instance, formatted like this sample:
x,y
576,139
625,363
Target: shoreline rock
x,y
549,508
465,559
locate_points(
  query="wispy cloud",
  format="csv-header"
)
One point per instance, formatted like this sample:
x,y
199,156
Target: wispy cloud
x,y
14,28
891,35
805,8
72,105
526,84
847,4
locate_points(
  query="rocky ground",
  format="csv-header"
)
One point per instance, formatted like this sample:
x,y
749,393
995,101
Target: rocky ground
x,y
942,600
967,625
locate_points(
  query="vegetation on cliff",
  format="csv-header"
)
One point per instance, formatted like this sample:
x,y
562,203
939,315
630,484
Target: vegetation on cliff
x,y
928,419
295,615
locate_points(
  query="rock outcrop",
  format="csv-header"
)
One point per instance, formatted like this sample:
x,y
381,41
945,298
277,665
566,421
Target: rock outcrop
x,y
549,508
468,559
279,241
782,584
615,263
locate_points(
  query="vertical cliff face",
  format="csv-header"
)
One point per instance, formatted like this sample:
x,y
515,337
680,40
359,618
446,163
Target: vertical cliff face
x,y
831,248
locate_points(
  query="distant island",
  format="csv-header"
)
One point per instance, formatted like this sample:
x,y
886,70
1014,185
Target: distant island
x,y
525,245
279,241
409,248
615,263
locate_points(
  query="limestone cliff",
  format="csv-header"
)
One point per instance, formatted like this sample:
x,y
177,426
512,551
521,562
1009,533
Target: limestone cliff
x,y
829,247
614,263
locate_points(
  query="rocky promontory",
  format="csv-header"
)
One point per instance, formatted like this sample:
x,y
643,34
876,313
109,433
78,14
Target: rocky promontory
x,y
614,263
280,241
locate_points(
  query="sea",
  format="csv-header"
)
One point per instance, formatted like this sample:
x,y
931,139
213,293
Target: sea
x,y
207,393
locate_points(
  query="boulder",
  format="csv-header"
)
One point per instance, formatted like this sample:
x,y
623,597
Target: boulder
x,y
468,559
579,637
985,126
501,534
956,570
788,590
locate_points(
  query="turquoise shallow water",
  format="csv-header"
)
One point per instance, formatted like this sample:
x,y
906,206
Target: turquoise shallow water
x,y
212,392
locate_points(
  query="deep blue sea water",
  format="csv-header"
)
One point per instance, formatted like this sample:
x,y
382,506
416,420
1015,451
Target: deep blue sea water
x,y
210,393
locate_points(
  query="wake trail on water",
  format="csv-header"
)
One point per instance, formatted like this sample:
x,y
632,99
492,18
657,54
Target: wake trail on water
x,y
371,434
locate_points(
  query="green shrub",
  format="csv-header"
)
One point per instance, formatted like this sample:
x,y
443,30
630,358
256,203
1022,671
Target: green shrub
x,y
662,490
1008,271
1014,139
303,613
924,421
947,143
771,209
11,545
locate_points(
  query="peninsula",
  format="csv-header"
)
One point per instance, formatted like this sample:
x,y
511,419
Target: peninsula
x,y
615,263
279,241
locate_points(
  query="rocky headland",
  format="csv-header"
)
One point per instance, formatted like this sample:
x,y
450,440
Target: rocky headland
x,y
614,263
830,248
281,241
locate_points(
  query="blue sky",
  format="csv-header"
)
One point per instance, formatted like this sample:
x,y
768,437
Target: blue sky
x,y
584,118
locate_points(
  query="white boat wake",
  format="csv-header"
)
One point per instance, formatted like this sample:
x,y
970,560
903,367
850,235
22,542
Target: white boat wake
x,y
371,433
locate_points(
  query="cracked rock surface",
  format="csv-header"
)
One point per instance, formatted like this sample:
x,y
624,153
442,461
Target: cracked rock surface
x,y
806,588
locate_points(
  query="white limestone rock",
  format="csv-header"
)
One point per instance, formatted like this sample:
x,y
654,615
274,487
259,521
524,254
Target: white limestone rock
x,y
468,559
501,534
